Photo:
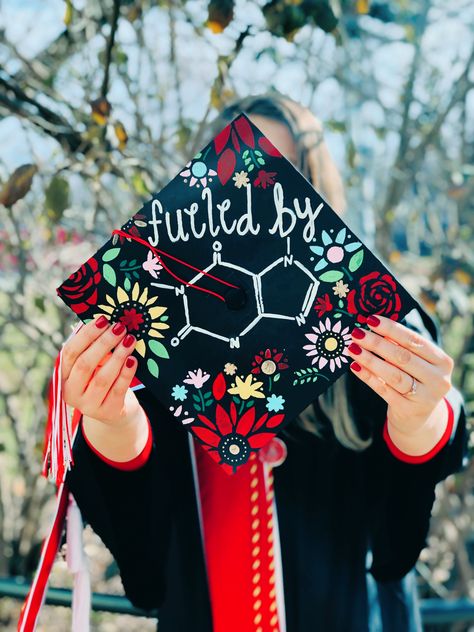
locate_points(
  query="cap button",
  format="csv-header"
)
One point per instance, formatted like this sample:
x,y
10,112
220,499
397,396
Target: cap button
x,y
235,298
274,452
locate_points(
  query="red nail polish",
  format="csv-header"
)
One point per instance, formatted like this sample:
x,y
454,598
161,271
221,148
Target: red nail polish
x,y
101,322
128,340
130,362
355,367
373,321
357,332
118,329
355,348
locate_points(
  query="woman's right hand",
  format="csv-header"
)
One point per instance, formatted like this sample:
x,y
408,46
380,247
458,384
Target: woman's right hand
x,y
97,369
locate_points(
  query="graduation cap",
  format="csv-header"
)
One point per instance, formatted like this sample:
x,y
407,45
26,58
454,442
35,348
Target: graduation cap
x,y
242,286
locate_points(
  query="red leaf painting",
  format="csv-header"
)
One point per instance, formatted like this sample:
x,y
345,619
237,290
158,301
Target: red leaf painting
x,y
220,141
226,166
245,131
235,141
268,148
274,421
219,387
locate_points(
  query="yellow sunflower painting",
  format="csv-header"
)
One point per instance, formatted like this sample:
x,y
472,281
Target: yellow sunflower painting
x,y
142,318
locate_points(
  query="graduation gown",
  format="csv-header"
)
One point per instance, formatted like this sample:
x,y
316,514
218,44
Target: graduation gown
x,y
341,513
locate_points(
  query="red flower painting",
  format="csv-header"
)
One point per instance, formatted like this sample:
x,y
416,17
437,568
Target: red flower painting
x,y
80,290
269,362
265,179
377,294
131,319
230,439
323,304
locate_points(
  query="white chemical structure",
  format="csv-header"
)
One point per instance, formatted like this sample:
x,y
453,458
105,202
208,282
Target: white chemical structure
x,y
287,260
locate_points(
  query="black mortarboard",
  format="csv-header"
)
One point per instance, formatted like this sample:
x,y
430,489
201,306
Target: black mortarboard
x,y
242,286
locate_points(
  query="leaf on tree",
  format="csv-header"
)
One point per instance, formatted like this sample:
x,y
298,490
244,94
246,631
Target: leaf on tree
x,y
121,135
140,185
362,6
18,184
57,198
100,111
324,17
220,15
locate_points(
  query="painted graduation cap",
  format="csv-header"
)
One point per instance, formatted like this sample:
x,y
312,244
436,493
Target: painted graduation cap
x,y
242,286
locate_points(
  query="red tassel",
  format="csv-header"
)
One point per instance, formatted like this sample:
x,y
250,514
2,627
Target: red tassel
x,y
57,453
37,592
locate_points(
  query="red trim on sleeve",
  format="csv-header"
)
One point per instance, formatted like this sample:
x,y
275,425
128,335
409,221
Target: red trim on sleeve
x,y
421,458
127,466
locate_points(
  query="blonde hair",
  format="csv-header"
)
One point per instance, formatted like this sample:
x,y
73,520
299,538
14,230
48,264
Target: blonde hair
x,y
316,164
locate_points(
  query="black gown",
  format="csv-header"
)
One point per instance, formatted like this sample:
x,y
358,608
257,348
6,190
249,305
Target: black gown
x,y
337,509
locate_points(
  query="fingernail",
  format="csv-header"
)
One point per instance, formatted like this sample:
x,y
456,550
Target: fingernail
x,y
357,332
128,340
354,348
118,329
130,362
101,322
373,321
355,367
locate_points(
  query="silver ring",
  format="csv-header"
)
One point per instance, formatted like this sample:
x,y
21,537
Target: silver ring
x,y
412,390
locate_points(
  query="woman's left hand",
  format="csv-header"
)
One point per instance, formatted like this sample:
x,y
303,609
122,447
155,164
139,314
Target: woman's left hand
x,y
392,358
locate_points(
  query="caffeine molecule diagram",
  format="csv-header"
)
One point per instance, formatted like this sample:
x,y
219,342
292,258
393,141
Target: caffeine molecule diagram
x,y
257,281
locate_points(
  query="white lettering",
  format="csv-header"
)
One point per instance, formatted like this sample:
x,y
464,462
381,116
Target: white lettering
x,y
245,225
206,193
193,209
223,208
281,211
181,234
155,222
309,229
196,221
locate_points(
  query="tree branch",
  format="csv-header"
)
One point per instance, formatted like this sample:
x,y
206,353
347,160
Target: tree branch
x,y
15,100
109,49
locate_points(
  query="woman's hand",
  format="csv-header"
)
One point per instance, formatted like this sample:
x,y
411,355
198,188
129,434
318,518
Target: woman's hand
x,y
95,380
96,372
388,358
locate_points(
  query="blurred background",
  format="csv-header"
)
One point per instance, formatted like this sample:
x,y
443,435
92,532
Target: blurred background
x,y
102,102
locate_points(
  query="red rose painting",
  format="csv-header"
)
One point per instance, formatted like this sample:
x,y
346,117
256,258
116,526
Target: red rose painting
x,y
377,294
80,289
